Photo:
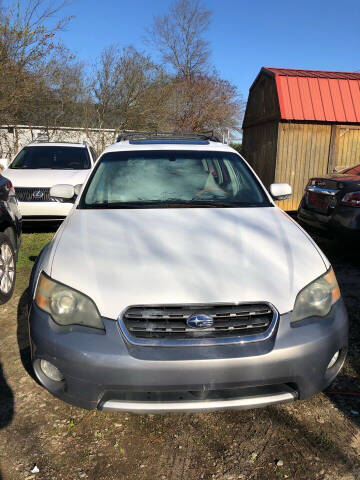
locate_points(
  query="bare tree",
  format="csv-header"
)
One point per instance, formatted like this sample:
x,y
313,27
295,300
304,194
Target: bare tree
x,y
27,30
178,35
128,89
27,40
41,82
197,99
66,92
205,103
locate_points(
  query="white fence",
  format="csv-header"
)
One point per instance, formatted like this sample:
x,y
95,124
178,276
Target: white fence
x,y
13,138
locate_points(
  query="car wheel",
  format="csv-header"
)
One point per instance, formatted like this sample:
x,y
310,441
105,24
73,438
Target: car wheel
x,y
7,268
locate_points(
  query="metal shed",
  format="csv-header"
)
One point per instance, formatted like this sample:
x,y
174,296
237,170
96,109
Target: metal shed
x,y
301,123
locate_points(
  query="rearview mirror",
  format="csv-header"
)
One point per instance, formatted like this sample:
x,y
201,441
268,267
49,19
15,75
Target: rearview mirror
x,y
62,191
280,191
4,163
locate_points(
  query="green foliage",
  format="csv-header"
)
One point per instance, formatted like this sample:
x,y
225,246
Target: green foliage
x,y
236,146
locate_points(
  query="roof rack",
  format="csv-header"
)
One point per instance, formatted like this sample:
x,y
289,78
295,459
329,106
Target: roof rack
x,y
131,135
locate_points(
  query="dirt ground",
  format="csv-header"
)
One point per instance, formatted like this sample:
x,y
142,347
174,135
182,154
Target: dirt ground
x,y
313,439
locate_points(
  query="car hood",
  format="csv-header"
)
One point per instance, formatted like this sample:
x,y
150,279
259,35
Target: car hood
x,y
338,177
161,256
342,177
44,178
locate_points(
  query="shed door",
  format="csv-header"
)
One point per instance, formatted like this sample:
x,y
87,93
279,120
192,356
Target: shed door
x,y
345,147
303,152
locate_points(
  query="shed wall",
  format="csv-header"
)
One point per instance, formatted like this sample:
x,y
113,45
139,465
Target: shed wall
x,y
345,147
303,152
259,149
262,105
285,142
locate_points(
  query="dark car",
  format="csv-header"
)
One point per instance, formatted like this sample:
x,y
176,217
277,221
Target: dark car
x,y
10,233
332,203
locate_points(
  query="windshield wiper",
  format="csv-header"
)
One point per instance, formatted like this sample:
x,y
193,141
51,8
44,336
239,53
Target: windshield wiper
x,y
112,205
184,204
208,204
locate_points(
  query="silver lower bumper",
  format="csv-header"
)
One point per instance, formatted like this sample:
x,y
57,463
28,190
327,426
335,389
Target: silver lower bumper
x,y
257,398
102,371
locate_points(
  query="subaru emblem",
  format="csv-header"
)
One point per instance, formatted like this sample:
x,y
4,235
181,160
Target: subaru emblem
x,y
200,321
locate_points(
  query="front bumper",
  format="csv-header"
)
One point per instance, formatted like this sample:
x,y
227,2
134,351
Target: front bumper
x,y
102,370
44,210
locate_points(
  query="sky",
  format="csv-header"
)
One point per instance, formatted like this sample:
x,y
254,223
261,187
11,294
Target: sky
x,y
244,35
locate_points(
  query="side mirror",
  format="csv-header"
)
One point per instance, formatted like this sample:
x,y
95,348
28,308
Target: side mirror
x,y
4,163
280,191
62,191
78,188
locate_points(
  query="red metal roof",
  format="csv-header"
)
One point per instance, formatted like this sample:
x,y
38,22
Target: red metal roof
x,y
315,95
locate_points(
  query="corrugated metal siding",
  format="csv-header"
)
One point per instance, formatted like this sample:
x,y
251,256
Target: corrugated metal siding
x,y
312,95
318,99
303,152
298,72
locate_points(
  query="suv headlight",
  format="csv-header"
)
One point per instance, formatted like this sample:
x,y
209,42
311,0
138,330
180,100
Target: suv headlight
x,y
66,305
317,298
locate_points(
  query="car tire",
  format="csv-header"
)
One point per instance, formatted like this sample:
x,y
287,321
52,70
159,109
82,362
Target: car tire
x,y
7,268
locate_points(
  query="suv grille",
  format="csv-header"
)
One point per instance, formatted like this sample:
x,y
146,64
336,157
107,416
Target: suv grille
x,y
170,321
32,194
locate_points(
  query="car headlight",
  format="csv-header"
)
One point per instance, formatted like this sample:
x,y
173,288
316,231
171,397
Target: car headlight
x,y
66,305
317,298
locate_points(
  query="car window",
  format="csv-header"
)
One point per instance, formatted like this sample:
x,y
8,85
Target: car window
x,y
173,177
52,157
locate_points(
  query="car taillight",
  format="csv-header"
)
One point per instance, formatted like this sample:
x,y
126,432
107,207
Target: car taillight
x,y
352,199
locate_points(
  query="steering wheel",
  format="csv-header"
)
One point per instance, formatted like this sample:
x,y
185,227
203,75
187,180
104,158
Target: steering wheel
x,y
205,190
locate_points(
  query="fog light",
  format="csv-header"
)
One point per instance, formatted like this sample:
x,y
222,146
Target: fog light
x,y
333,360
51,371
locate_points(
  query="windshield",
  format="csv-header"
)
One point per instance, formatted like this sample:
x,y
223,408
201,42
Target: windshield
x,y
172,178
52,157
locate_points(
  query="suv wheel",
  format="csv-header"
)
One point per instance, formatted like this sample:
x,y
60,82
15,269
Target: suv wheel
x,y
7,268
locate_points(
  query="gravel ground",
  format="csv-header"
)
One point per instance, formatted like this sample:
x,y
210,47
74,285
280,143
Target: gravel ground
x,y
43,438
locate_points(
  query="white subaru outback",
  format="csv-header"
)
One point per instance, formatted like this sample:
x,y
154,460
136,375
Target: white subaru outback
x,y
39,166
176,283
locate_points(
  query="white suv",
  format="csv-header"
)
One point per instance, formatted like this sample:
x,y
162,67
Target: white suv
x,y
39,166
